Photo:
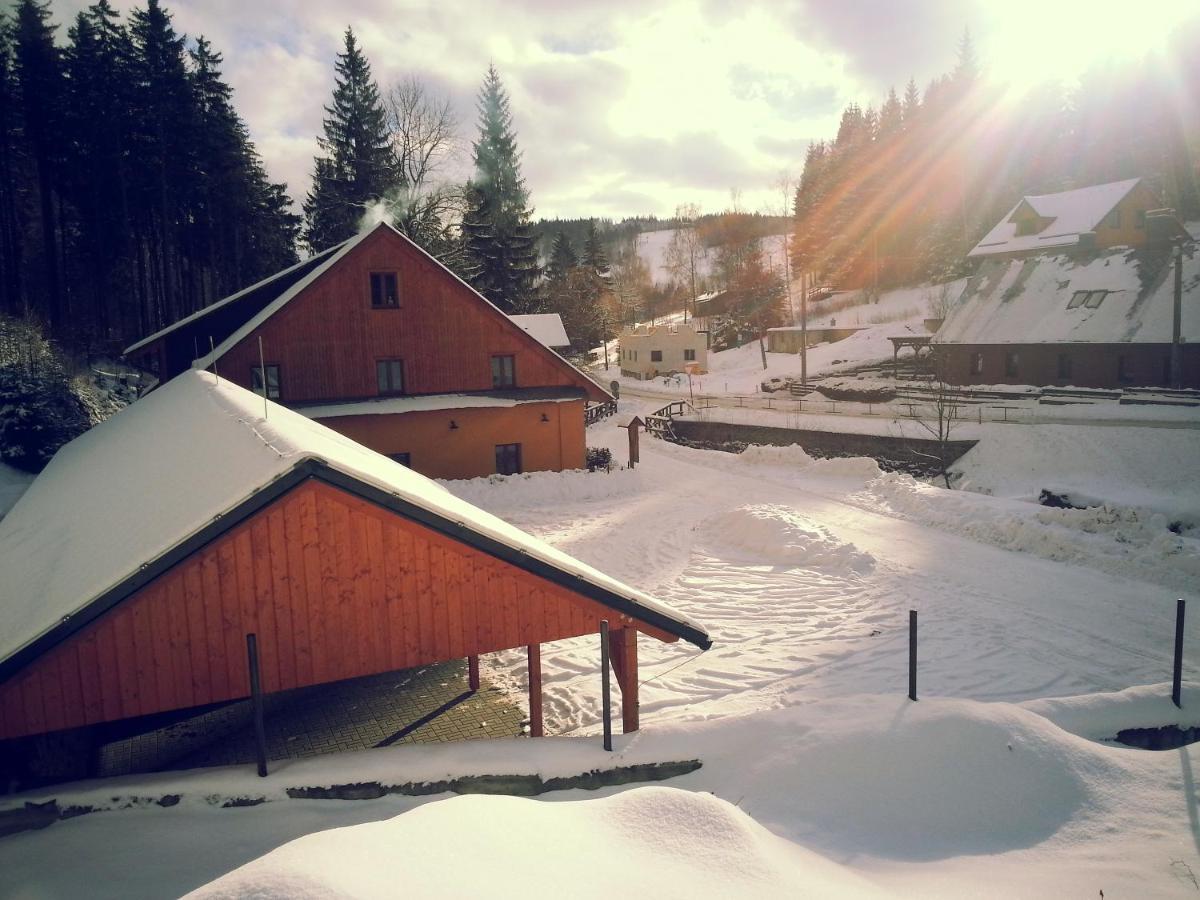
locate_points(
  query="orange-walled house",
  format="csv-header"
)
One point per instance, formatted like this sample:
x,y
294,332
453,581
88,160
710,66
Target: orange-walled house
x,y
379,341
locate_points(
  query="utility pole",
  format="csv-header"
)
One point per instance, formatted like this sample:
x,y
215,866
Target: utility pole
x,y
1177,322
804,282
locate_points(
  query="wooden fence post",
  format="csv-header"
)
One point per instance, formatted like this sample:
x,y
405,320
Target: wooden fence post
x,y
912,654
260,727
606,699
1177,679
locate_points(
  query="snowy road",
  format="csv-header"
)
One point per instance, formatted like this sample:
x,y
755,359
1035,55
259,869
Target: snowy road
x,y
805,578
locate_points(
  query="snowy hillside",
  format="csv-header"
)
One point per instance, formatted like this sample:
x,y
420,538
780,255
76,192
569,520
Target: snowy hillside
x,y
652,248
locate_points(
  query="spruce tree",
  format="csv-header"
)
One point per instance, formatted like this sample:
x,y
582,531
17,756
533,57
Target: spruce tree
x,y
562,258
40,84
12,297
357,168
98,126
912,103
499,243
593,250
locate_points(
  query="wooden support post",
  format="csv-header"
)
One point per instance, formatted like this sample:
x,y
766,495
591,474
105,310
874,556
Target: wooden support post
x,y
912,654
1177,679
623,646
260,727
473,672
606,699
535,690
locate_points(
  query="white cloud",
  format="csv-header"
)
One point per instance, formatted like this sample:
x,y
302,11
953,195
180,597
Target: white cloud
x,y
617,103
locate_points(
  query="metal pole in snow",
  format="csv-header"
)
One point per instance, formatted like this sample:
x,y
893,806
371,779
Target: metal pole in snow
x,y
912,654
262,368
212,349
606,700
260,728
1177,680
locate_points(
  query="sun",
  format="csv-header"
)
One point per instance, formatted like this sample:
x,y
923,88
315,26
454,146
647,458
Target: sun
x,y
1028,42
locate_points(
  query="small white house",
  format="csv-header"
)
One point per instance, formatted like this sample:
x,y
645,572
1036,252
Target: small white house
x,y
648,351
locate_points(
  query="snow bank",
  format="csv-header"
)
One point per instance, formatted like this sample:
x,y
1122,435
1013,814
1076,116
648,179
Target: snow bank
x,y
1117,540
794,456
778,535
1100,716
542,489
1150,471
655,841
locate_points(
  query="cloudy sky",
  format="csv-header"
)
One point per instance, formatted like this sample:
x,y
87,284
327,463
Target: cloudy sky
x,y
628,107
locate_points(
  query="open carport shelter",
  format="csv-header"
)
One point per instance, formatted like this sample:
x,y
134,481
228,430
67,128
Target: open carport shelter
x,y
138,562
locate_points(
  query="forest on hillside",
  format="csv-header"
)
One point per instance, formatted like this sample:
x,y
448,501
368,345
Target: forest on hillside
x,y
130,192
901,193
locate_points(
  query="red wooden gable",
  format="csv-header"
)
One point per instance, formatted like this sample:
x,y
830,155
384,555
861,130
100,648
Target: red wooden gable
x,y
327,339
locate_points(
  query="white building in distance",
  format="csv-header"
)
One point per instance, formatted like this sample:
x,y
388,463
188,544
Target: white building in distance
x,y
648,351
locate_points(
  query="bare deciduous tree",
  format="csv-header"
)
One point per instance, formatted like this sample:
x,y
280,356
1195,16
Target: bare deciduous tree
x,y
945,400
424,131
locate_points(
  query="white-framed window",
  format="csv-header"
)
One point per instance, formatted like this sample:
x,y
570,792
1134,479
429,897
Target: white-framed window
x,y
504,371
256,381
385,290
389,375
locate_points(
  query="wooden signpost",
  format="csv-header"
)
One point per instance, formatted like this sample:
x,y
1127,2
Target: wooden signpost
x,y
633,427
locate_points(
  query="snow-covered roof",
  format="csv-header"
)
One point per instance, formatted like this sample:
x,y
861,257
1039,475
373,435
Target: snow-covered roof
x,y
1072,213
1040,300
124,494
436,402
546,327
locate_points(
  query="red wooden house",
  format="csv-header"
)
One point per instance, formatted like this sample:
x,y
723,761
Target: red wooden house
x,y
378,340
138,562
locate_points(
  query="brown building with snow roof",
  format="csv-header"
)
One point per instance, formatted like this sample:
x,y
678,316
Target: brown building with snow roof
x,y
378,340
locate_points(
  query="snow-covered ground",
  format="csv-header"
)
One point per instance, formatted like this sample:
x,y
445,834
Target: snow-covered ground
x,y
804,572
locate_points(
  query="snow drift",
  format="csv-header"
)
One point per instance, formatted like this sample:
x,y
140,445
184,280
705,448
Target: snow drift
x,y
666,842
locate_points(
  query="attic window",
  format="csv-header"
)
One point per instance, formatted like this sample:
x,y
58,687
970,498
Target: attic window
x,y
1087,299
1027,227
385,293
1113,220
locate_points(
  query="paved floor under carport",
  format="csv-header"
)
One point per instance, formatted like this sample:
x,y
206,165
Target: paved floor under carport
x,y
424,705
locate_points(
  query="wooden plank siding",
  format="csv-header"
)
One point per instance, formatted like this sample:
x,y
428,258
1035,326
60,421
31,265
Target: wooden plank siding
x,y
335,587
327,339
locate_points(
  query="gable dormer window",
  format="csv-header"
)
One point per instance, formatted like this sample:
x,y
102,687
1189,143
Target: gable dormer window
x,y
385,290
1027,227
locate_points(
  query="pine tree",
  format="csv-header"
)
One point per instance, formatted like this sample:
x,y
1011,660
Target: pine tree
x,y
500,252
40,84
12,297
593,250
562,258
966,70
98,126
357,168
891,115
162,155
912,103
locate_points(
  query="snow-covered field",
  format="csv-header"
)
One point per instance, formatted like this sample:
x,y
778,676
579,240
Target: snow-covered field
x,y
826,781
